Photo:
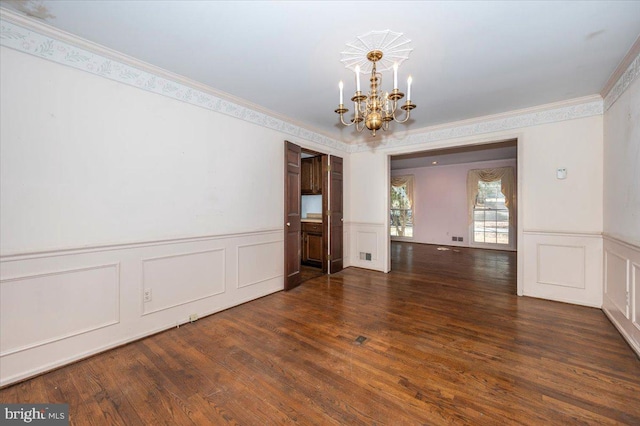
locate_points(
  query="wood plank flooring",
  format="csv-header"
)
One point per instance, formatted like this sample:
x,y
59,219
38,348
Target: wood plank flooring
x,y
447,342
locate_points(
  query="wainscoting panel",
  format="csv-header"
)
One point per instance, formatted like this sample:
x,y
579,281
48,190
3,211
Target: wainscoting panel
x,y
367,239
621,298
616,280
346,245
563,266
63,305
269,266
635,285
182,278
46,315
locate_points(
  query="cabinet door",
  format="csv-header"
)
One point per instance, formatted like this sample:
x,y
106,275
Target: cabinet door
x,y
314,248
306,176
317,175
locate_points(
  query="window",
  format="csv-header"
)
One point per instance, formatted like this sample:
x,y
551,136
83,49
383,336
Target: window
x,y
401,206
490,214
491,199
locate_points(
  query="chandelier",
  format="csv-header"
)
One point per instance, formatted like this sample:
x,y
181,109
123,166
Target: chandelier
x,y
378,108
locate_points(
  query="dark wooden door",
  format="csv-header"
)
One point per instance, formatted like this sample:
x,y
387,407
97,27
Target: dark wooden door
x,y
292,237
335,214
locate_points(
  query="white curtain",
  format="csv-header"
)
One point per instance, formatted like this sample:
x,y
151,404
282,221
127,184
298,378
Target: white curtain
x,y
508,187
405,180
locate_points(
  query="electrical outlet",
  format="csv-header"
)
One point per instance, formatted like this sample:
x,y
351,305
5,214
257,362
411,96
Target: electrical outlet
x,y
147,295
193,317
459,238
454,238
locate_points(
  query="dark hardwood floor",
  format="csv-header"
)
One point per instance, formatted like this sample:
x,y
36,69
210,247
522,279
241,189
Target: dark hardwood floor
x,y
447,342
309,272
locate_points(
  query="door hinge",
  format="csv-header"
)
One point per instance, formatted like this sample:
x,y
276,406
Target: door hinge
x,y
328,212
329,257
328,167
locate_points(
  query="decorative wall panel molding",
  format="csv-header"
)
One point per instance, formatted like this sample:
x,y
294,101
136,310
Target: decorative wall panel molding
x,y
269,257
621,298
616,280
366,238
45,315
81,309
561,265
94,59
182,278
635,300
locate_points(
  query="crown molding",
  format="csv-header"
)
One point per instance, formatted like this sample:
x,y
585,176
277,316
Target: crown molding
x,y
615,76
624,75
544,114
36,38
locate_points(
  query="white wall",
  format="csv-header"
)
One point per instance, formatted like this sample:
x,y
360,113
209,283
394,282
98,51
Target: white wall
x,y
311,204
553,215
440,201
622,213
87,161
367,218
108,190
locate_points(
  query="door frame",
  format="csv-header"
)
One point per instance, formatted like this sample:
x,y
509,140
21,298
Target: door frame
x,y
518,137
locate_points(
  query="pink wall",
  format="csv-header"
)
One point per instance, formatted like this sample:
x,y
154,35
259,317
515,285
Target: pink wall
x,y
440,201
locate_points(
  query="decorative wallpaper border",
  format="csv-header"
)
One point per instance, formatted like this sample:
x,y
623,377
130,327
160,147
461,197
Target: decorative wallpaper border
x,y
625,80
32,42
509,121
27,41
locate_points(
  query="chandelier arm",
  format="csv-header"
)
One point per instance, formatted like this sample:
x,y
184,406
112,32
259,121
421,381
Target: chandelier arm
x,y
344,122
407,109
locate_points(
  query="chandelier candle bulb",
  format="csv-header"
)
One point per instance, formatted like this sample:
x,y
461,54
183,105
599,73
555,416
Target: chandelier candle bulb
x,y
341,86
409,80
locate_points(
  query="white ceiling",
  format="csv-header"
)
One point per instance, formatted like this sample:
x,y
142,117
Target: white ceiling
x,y
470,58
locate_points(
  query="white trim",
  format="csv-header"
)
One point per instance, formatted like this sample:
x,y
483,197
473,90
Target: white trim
x,y
622,77
633,245
129,245
625,335
563,233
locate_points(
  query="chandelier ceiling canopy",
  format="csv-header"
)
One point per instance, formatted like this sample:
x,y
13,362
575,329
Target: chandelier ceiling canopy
x,y
395,46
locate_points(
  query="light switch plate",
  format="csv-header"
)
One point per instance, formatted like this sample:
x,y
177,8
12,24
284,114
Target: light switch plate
x,y
561,173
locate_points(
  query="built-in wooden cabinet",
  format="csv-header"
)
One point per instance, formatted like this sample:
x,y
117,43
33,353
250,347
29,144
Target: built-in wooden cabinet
x,y
312,243
311,176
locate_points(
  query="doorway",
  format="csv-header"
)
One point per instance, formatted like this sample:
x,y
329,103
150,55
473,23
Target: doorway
x,y
313,214
429,201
